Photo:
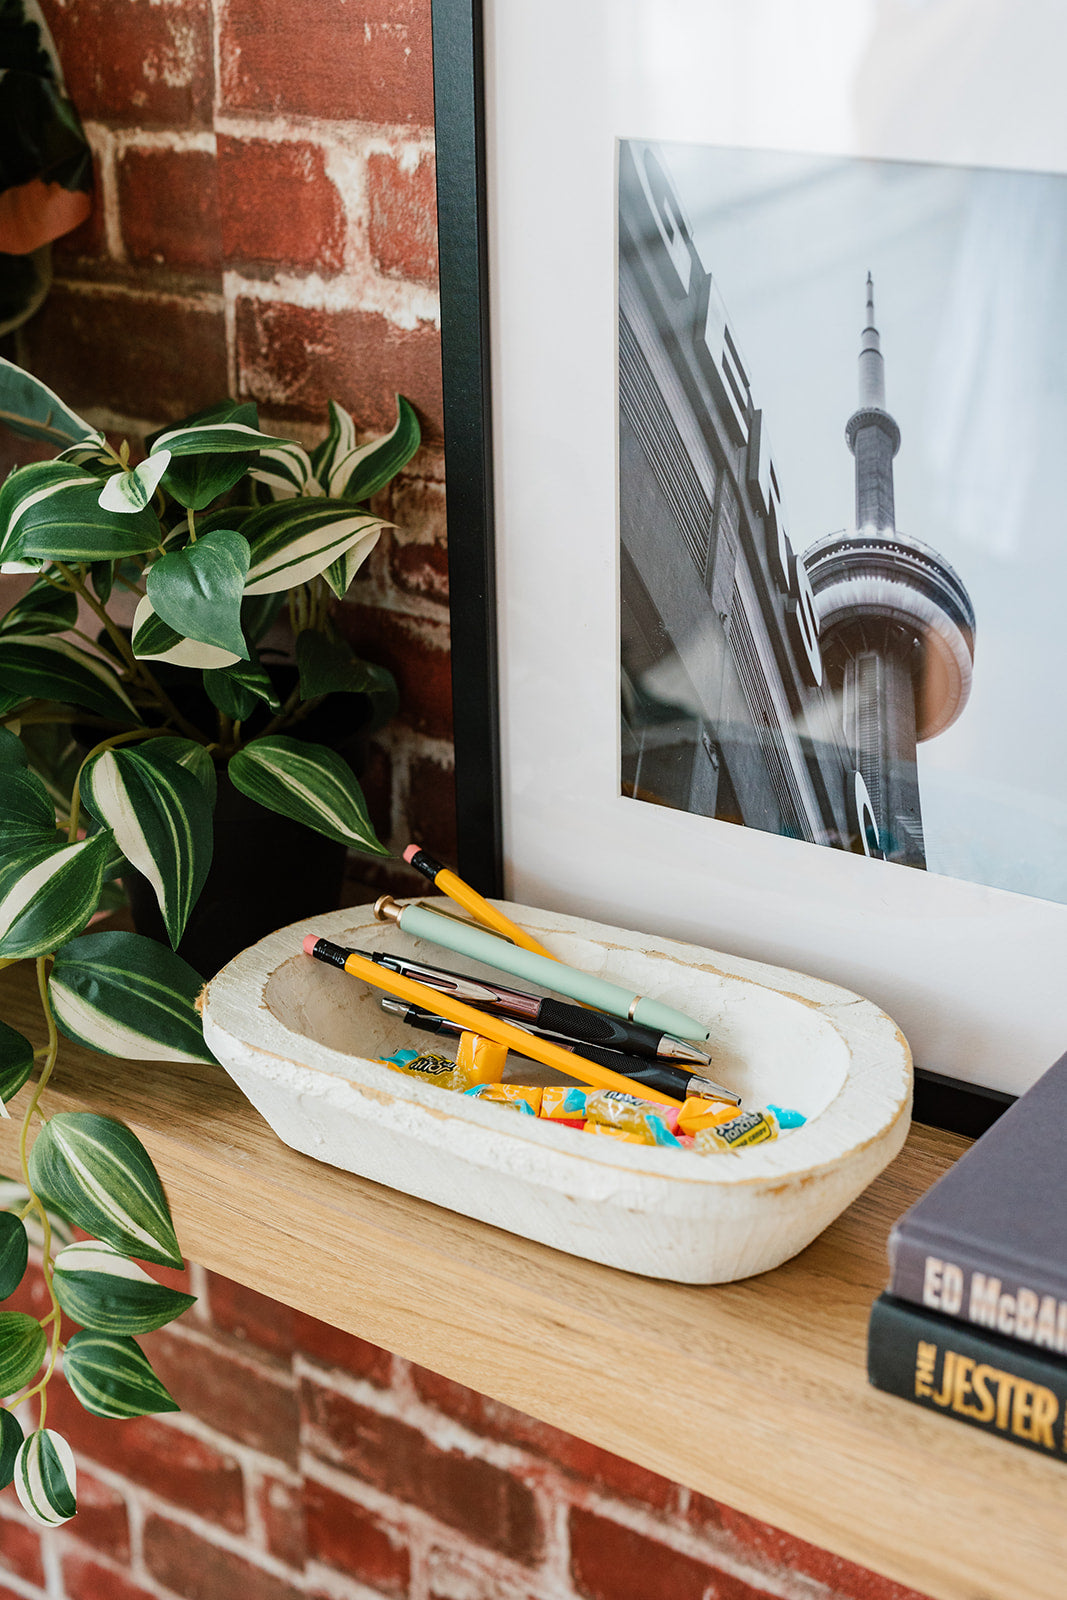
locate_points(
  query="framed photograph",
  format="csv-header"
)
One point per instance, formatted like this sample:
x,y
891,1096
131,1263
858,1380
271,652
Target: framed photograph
x,y
755,346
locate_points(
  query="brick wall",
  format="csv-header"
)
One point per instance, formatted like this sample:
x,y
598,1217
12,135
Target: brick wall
x,y
265,227
306,1463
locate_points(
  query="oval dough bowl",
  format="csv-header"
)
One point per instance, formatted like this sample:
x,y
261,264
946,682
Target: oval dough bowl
x,y
299,1038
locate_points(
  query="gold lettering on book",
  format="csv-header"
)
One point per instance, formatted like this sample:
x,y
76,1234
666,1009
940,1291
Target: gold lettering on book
x,y
925,1367
987,1394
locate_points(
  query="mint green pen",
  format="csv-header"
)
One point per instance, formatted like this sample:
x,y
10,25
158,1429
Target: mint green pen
x,y
465,940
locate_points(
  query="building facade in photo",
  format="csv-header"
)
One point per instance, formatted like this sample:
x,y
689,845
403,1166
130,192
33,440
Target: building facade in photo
x,y
781,691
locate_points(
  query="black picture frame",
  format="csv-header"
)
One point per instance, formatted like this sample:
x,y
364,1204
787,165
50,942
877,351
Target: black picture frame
x,y
459,97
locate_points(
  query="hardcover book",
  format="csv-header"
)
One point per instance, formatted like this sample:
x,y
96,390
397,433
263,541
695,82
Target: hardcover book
x,y
987,1244
985,1379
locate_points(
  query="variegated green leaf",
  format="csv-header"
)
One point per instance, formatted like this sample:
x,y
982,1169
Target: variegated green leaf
x,y
46,1478
29,408
14,1253
133,489
25,802
214,438
12,750
199,477
128,996
42,609
15,1196
45,668
340,441
198,590
355,472
161,820
309,783
286,471
52,897
11,1437
100,1288
111,1376
193,757
16,1065
93,453
50,511
328,666
22,1349
294,540
98,1175
237,690
154,640
339,573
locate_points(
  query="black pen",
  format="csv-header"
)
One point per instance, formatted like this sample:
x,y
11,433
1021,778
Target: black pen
x,y
661,1075
556,1017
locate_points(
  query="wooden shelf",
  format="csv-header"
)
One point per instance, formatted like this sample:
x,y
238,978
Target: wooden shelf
x,y
754,1393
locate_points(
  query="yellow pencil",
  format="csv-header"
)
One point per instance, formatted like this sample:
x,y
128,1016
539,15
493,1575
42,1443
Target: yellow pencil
x,y
480,1022
453,886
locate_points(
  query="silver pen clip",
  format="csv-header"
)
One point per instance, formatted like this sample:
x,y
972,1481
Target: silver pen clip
x,y
433,978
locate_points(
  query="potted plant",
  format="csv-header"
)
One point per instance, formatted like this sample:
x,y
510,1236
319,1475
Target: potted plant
x,y
135,681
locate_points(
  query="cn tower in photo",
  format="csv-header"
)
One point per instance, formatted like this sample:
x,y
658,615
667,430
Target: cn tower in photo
x,y
896,625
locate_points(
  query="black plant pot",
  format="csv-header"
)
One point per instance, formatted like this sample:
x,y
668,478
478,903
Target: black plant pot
x,y
266,871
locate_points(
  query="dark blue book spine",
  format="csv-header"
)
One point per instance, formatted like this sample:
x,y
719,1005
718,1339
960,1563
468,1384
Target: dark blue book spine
x,y
983,1379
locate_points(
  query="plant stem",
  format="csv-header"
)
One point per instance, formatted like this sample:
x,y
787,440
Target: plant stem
x,y
46,1224
136,668
192,524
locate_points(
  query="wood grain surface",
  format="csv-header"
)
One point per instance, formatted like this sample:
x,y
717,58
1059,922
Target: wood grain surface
x,y
753,1393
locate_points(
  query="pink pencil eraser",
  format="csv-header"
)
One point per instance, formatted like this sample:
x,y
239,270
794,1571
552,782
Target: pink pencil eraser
x,y
411,851
310,941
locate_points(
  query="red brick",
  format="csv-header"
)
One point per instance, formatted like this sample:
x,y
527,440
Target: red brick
x,y
282,1509
778,1551
365,63
403,216
335,1348
419,569
416,651
611,1562
432,807
156,1456
294,359
343,1535
181,1561
84,1579
145,64
250,1315
169,207
241,1397
574,1456
102,1518
451,1578
279,207
140,356
20,1551
488,1505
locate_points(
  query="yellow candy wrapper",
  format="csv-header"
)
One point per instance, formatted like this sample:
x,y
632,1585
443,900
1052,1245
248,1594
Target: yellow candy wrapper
x,y
751,1127
700,1113
520,1096
478,1061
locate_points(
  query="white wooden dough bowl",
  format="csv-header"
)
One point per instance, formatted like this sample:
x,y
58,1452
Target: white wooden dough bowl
x,y
299,1038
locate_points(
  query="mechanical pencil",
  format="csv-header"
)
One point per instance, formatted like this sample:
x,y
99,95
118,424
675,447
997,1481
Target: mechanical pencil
x,y
451,884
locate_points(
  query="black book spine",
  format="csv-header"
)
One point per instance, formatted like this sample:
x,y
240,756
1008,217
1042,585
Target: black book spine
x,y
1024,1301
981,1378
